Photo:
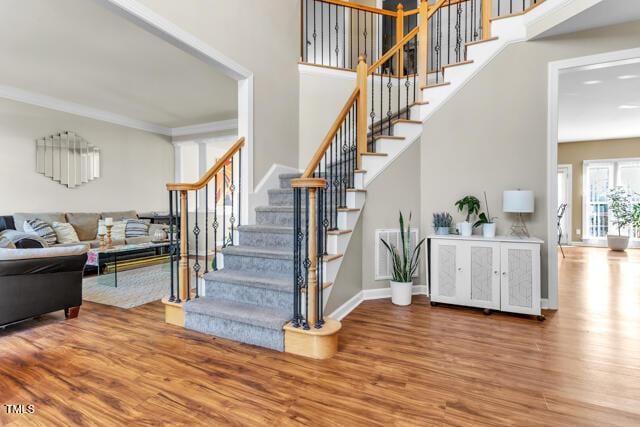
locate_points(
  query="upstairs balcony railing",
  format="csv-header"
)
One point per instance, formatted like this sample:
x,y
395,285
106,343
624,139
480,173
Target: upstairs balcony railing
x,y
198,233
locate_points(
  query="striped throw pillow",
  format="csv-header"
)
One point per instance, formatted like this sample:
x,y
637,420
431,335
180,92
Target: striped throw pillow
x,y
118,231
136,228
65,232
37,227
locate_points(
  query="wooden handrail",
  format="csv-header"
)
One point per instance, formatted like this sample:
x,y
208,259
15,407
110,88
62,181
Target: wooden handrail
x,y
384,58
326,142
362,7
207,177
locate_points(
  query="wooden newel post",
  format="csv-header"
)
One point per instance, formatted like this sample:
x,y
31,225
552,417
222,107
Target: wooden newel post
x,y
183,266
312,185
361,125
486,19
423,44
399,37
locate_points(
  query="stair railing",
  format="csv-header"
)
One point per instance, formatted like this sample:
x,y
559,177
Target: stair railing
x,y
226,178
335,33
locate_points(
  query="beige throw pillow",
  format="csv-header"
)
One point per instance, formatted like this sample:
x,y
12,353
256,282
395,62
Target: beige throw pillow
x,y
65,232
118,231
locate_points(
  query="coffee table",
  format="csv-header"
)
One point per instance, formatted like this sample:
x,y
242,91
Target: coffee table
x,y
101,257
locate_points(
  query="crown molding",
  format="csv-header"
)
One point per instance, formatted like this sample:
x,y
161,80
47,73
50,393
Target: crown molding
x,y
52,103
218,126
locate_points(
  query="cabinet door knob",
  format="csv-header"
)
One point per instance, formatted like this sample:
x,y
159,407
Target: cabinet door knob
x,y
495,272
459,268
504,273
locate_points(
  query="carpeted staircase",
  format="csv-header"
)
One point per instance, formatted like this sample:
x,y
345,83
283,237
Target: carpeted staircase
x,y
251,298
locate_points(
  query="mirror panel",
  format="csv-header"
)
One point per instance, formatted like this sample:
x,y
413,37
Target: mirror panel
x,y
68,159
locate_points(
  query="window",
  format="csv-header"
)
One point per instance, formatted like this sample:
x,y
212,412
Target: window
x,y
599,177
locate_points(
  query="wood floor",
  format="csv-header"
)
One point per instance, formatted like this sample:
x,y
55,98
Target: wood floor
x,y
397,366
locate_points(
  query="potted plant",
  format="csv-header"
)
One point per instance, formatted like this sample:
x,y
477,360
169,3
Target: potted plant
x,y
487,221
472,205
621,209
405,264
442,223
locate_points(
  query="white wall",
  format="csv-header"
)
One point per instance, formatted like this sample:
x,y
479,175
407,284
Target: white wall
x,y
262,36
135,165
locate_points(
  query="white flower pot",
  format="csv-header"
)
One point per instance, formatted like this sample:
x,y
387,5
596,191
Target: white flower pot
x,y
489,230
618,243
465,228
401,293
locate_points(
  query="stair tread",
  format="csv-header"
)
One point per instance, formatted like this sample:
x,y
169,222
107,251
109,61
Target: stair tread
x,y
375,138
259,280
374,154
258,252
258,228
415,122
481,41
435,85
270,318
457,64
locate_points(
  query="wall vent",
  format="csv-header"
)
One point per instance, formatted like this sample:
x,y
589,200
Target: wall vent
x,y
384,264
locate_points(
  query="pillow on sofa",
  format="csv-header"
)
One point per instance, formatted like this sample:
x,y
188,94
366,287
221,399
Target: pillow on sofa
x,y
136,228
37,227
85,224
118,231
65,232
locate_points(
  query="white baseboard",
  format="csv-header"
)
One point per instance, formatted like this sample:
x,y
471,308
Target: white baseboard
x,y
369,294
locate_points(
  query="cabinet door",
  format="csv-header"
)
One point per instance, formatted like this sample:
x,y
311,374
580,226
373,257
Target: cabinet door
x,y
446,275
483,265
520,284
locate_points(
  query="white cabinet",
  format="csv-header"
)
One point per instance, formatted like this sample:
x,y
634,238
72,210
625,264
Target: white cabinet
x,y
494,274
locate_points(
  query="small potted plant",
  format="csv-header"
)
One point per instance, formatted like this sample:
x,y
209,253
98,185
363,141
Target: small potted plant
x,y
472,205
622,211
486,221
405,264
442,223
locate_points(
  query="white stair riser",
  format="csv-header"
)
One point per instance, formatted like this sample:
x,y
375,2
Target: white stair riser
x,y
458,73
358,181
373,164
509,29
337,243
331,269
481,52
355,199
389,146
408,130
347,220
415,112
436,94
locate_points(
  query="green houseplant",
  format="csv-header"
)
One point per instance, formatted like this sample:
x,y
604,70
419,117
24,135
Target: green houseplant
x,y
622,210
442,222
471,205
405,264
486,221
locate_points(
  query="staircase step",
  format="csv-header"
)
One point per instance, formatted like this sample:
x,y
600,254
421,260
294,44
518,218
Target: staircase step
x,y
285,179
431,86
237,321
280,216
250,288
480,41
266,236
280,197
258,260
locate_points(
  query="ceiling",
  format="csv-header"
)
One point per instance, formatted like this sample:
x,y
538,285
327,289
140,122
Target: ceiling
x,y
79,52
604,13
600,102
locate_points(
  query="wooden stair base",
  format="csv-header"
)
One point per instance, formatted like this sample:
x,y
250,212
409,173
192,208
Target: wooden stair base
x,y
173,312
314,343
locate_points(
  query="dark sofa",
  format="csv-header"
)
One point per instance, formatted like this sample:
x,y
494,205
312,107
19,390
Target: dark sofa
x,y
34,282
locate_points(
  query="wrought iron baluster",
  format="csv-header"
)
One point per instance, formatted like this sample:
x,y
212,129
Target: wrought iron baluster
x,y
179,236
224,206
172,297
329,31
297,276
186,214
319,260
337,50
239,188
315,34
196,233
215,223
389,113
307,261
232,189
206,228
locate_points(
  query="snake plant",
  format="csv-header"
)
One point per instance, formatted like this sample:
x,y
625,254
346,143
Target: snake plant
x,y
405,261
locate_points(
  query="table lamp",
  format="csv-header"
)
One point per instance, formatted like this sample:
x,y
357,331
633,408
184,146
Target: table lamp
x,y
519,202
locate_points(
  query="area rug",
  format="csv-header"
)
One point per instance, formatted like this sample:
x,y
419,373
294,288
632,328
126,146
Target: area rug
x,y
135,287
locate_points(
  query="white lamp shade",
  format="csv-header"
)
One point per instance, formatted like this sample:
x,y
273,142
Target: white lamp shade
x,y
518,201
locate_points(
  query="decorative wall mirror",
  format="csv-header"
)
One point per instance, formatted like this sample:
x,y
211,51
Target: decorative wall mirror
x,y
68,159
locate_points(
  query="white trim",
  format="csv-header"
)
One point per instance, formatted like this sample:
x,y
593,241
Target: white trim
x,y
569,212
222,125
325,71
369,294
346,308
152,22
544,303
45,101
552,150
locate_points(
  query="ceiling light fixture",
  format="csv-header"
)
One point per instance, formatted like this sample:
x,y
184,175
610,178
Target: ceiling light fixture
x,y
628,77
629,107
592,82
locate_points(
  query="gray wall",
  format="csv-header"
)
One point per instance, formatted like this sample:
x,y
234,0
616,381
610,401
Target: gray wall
x,y
135,165
349,280
262,36
492,135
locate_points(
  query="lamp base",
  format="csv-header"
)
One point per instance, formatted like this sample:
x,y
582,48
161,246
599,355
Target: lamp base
x,y
519,228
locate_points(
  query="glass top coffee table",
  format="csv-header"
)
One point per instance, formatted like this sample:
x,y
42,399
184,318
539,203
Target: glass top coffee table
x,y
126,257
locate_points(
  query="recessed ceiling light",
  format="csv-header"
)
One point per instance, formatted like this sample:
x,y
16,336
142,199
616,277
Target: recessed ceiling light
x,y
628,76
629,107
593,82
